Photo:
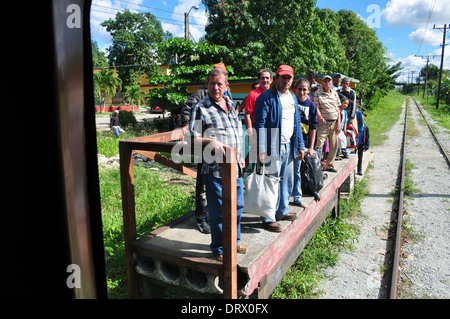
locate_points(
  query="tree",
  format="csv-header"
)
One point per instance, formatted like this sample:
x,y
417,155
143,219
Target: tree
x,y
134,93
134,38
366,58
269,33
364,52
445,89
192,64
107,80
98,57
429,71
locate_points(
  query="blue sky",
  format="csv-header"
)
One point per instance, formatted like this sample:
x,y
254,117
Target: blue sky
x,y
405,27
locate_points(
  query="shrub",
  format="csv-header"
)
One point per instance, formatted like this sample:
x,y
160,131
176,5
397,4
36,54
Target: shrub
x,y
127,118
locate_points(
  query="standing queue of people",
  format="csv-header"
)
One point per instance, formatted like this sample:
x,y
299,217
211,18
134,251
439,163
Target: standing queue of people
x,y
282,125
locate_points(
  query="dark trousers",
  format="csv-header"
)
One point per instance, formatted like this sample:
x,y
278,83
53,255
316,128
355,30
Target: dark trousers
x,y
200,196
360,156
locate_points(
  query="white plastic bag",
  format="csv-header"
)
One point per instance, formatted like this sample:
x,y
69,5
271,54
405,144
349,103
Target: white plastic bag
x,y
261,194
342,140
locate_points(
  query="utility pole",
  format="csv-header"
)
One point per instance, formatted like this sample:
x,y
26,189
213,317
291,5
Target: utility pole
x,y
426,74
186,26
442,62
186,22
412,77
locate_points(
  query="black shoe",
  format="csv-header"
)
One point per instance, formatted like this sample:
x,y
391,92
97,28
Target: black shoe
x,y
203,227
332,170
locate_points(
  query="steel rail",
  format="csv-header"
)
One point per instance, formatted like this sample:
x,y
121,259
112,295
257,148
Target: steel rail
x,y
398,237
442,149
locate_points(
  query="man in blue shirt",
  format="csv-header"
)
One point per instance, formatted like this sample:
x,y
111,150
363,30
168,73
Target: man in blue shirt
x,y
279,139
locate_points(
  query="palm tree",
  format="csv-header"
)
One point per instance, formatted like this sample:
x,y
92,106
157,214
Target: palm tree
x,y
105,79
134,93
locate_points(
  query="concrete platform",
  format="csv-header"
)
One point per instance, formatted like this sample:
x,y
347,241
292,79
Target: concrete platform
x,y
178,255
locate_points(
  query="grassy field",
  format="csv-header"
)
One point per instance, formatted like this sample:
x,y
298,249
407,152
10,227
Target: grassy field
x,y
386,114
161,196
441,115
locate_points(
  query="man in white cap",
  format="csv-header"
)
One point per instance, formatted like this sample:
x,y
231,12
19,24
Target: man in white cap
x,y
329,124
115,124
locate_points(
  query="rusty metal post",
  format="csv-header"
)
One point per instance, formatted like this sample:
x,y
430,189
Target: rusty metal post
x,y
129,214
229,224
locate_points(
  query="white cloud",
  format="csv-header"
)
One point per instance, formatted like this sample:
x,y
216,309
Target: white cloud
x,y
415,13
102,10
413,63
428,36
100,13
409,64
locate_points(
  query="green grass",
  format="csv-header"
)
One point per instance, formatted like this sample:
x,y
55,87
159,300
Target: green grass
x,y
335,234
381,118
157,203
441,115
410,186
108,144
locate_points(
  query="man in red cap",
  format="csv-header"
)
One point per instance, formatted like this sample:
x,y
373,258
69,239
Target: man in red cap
x,y
279,139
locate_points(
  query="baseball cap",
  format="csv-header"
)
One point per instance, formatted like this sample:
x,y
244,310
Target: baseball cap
x,y
327,77
220,66
285,69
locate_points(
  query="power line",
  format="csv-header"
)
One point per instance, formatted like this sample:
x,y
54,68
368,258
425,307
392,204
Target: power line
x,y
119,66
141,5
122,10
430,13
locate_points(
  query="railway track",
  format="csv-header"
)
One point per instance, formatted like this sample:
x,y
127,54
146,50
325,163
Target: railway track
x,y
441,147
395,276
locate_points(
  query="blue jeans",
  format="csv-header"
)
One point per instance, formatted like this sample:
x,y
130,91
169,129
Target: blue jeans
x,y
285,170
213,187
345,151
297,189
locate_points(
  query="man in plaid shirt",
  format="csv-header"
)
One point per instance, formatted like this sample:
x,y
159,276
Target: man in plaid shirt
x,y
215,125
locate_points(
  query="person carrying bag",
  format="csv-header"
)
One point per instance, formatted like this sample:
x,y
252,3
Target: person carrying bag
x,y
261,193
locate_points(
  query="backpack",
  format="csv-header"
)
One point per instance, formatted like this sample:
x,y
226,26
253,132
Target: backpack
x,y
351,137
